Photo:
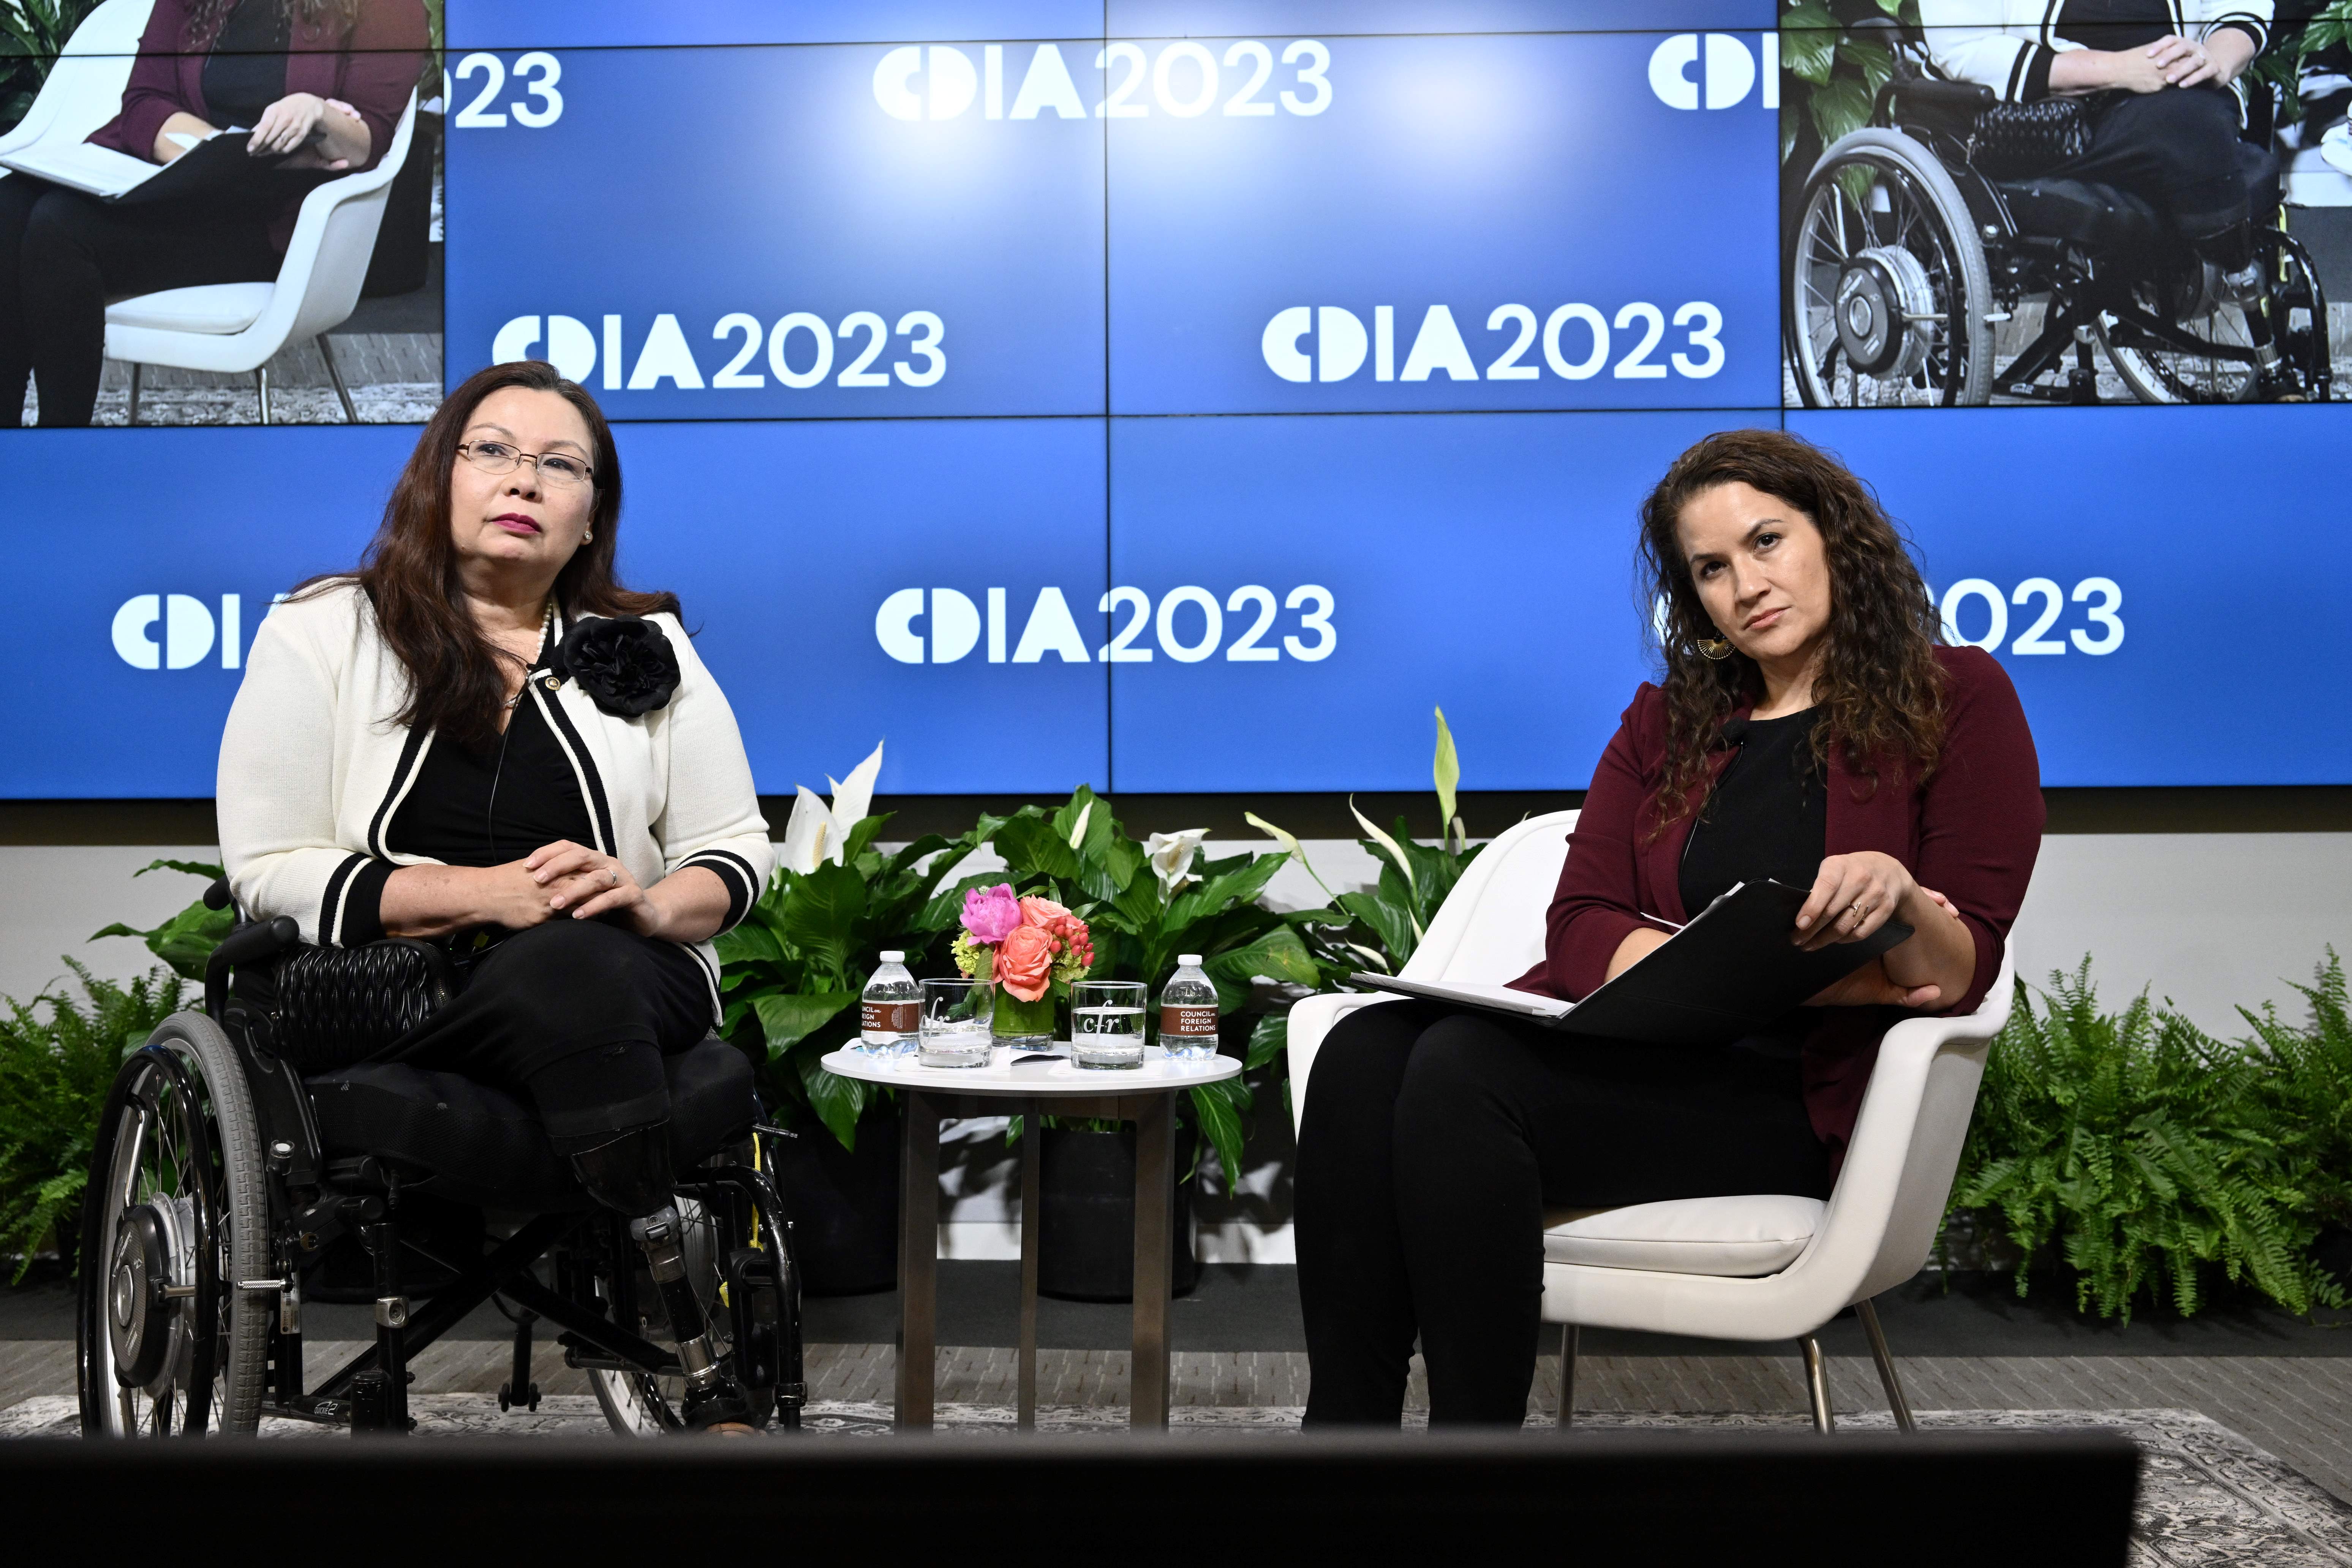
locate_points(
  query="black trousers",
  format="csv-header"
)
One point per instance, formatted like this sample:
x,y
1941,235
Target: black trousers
x,y
63,254
574,1015
2179,149
1431,1145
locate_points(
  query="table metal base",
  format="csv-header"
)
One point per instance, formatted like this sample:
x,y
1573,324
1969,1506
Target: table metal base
x,y
919,1242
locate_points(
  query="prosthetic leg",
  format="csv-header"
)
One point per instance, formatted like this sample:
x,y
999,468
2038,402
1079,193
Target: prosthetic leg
x,y
631,1175
2236,270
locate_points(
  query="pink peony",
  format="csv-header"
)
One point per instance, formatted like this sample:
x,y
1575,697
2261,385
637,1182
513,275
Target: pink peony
x,y
991,914
1039,911
1025,961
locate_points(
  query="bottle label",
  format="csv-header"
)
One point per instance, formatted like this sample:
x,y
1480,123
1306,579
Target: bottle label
x,y
892,1018
1196,1023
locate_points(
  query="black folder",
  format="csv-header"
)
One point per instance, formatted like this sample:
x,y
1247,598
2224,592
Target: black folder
x,y
1728,974
217,172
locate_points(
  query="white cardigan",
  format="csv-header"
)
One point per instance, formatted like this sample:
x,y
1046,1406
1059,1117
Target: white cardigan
x,y
1994,43
312,768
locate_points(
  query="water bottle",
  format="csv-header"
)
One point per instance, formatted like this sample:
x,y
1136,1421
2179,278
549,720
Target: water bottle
x,y
1188,1013
890,1014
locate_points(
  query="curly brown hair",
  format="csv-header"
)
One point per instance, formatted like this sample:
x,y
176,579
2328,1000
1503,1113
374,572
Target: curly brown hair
x,y
1880,691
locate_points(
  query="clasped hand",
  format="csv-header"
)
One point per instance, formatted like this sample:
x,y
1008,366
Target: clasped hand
x,y
567,880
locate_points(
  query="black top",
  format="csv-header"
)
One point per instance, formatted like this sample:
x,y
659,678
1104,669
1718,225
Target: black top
x,y
246,72
2117,25
1768,816
486,808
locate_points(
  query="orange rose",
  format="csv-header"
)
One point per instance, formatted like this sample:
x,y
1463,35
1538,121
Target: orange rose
x,y
1025,961
1039,911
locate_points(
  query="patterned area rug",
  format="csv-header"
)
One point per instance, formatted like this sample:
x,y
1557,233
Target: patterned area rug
x,y
2208,1497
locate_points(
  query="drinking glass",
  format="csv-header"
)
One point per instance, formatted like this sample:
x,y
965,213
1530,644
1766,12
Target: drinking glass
x,y
957,1014
1107,1023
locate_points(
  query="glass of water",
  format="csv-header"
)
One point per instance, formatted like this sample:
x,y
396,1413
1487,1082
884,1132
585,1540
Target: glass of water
x,y
1107,1023
957,1015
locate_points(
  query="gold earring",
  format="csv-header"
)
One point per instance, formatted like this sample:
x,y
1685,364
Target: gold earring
x,y
1714,649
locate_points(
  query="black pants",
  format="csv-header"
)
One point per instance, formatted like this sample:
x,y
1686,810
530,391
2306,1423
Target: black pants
x,y
575,1015
1431,1143
2181,150
63,254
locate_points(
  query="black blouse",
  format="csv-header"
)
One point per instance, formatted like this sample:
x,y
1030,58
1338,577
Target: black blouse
x,y
486,808
1768,815
246,72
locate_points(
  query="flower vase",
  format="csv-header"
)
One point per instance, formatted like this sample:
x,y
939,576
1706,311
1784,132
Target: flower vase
x,y
1027,1025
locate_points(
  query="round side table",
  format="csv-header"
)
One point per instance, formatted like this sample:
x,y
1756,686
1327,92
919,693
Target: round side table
x,y
1037,1087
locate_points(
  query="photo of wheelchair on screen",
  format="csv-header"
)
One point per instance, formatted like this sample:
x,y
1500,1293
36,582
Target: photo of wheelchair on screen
x,y
2063,201
286,272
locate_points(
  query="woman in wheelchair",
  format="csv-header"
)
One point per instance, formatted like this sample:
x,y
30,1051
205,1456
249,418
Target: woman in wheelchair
x,y
1811,728
2155,80
480,738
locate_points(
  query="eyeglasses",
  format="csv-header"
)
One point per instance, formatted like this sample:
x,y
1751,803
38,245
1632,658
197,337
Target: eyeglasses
x,y
556,469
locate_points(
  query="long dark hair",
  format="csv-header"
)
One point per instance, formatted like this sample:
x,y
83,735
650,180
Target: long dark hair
x,y
1880,690
456,684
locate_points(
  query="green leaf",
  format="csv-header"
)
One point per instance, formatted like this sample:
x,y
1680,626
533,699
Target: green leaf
x,y
1809,40
787,1019
1222,1125
1220,893
1445,769
862,834
1032,848
745,943
819,917
204,869
1839,108
1277,955
837,1102
1873,60
1390,921
1269,1038
946,907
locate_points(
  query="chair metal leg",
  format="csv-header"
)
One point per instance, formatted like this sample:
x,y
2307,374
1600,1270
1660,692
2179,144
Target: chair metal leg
x,y
261,390
137,370
1817,1385
335,374
1566,1375
1878,1352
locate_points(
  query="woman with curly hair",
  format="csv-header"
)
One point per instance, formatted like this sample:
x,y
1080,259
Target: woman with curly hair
x,y
1811,728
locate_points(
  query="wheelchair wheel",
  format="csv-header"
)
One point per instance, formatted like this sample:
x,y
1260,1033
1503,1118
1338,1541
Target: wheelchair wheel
x,y
2158,371
175,1218
1887,283
638,1405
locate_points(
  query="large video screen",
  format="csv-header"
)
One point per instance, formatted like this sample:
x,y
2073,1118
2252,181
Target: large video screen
x,y
1188,395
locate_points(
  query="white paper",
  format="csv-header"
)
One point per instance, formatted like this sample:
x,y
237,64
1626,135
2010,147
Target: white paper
x,y
1501,997
78,165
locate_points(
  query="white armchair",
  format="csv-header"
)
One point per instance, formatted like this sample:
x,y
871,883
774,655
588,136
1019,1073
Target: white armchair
x,y
237,327
1762,1266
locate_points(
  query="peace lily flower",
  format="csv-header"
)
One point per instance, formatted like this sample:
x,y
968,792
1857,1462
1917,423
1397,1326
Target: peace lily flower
x,y
815,833
1171,856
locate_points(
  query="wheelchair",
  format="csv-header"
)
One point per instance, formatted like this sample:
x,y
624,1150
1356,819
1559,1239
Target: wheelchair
x,y
228,1188
1905,256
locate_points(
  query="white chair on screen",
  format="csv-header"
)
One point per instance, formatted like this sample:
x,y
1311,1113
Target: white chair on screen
x,y
1762,1266
237,327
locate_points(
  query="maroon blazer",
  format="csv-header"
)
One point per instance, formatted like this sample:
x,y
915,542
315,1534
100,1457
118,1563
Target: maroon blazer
x,y
371,66
1971,833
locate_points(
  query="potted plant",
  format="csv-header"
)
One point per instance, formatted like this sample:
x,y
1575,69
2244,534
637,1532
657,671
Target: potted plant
x,y
791,975
1143,904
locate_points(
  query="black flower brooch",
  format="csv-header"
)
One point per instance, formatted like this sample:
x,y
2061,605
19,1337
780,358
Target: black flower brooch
x,y
623,662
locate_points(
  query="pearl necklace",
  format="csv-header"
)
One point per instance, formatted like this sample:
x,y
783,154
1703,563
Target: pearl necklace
x,y
546,625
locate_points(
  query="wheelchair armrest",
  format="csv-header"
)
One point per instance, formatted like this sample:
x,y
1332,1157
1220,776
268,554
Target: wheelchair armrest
x,y
247,944
217,897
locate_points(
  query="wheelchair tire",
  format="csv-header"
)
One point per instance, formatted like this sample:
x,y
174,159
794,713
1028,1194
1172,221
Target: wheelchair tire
x,y
175,1218
1887,292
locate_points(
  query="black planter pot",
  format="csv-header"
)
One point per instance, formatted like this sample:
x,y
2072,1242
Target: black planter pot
x,y
844,1205
1085,1241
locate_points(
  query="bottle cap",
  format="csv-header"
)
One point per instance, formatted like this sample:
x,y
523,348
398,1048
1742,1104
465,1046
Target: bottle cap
x,y
892,956
1190,960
